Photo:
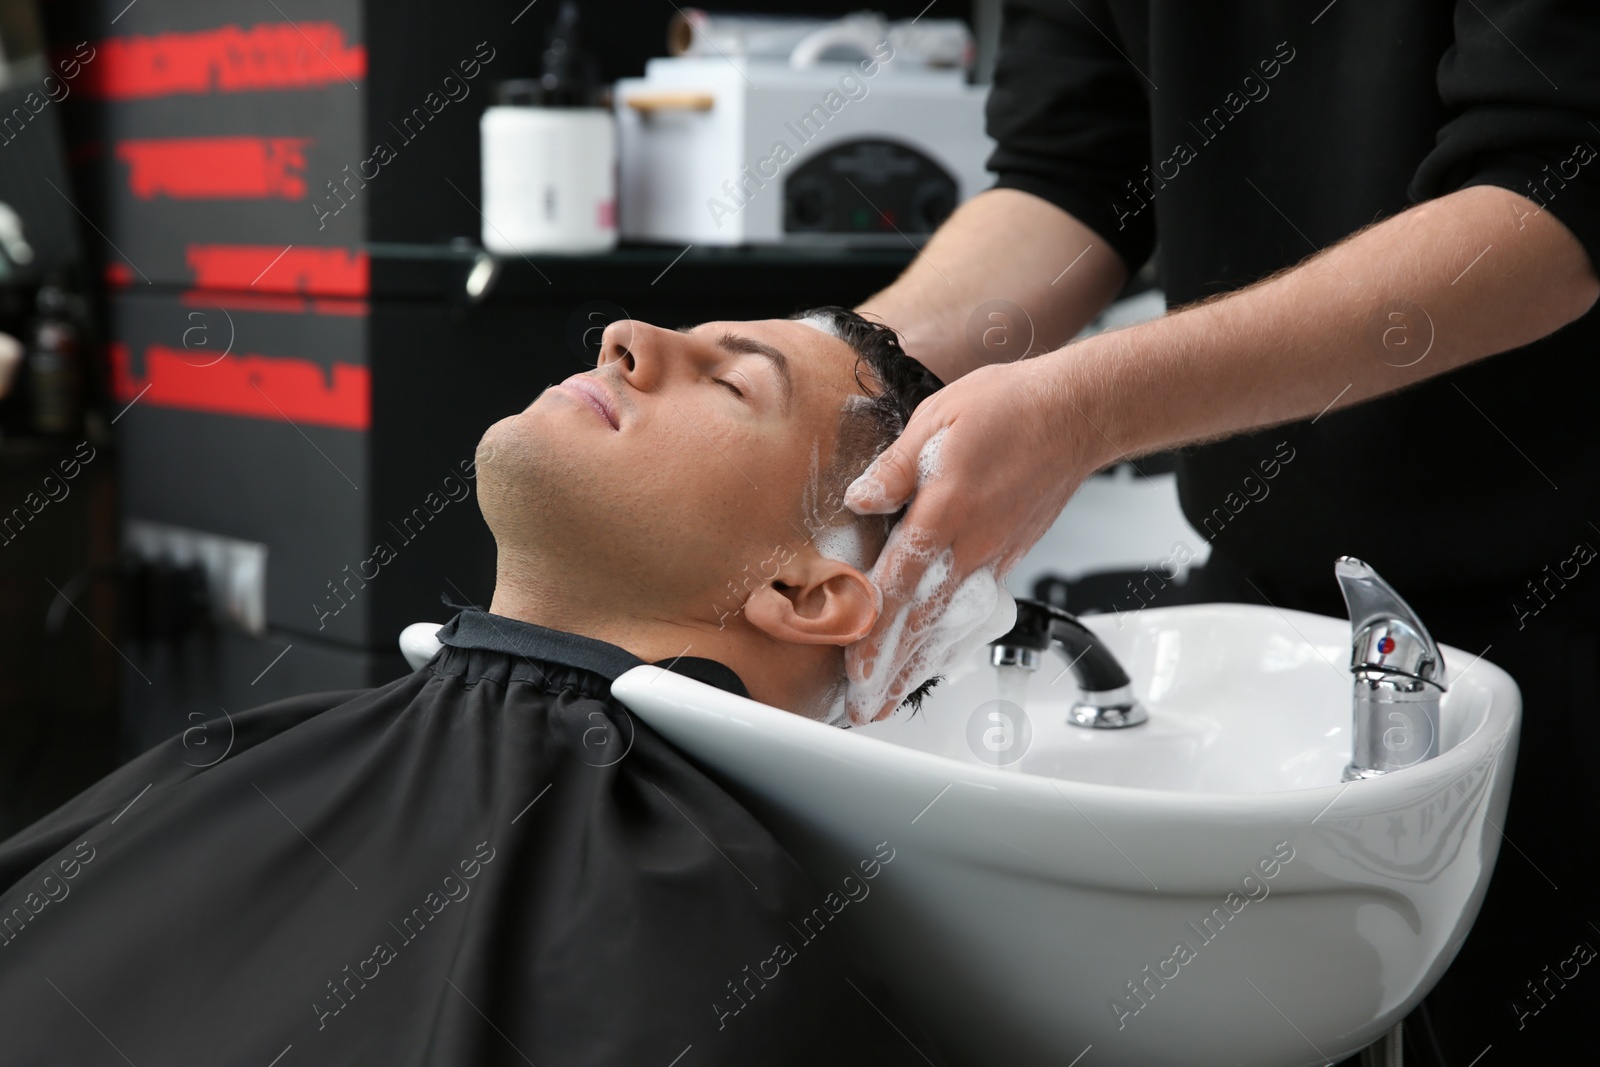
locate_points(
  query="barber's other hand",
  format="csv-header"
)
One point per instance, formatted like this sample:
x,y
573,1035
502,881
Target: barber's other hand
x,y
1012,454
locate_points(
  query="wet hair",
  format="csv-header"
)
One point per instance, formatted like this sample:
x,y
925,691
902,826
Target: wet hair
x,y
892,384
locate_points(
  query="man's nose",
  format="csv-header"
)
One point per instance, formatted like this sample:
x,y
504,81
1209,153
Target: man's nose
x,y
640,348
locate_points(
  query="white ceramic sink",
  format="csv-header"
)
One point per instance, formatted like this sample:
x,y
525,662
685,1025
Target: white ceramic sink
x,y
1033,912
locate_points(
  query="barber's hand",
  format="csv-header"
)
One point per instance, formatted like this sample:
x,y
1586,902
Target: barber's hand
x,y
1013,452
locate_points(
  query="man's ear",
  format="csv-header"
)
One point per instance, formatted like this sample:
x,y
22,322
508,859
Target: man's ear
x,y
815,600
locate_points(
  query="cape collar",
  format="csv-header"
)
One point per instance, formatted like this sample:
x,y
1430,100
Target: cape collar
x,y
497,633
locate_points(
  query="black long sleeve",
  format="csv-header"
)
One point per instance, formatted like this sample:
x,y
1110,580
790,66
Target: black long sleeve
x,y
1253,134
1522,83
1070,119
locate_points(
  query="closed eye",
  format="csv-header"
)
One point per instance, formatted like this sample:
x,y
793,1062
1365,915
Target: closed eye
x,y
729,386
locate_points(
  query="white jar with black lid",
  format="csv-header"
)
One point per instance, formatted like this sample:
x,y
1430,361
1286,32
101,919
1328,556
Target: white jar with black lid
x,y
550,156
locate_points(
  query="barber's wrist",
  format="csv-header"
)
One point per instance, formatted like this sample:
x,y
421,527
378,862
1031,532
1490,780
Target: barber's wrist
x,y
1077,414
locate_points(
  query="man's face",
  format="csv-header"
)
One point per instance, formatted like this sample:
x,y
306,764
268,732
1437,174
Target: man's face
x,y
681,459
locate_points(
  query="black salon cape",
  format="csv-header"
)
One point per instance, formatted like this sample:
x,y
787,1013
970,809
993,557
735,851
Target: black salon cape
x,y
489,861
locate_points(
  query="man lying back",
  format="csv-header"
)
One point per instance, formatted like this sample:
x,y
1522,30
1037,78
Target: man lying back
x,y
490,861
688,495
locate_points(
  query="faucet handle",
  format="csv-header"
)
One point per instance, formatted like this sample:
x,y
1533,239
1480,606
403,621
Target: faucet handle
x,y
1385,634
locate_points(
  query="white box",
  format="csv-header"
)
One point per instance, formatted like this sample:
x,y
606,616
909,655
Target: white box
x,y
706,145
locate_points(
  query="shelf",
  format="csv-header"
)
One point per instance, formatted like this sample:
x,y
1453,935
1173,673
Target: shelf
x,y
412,271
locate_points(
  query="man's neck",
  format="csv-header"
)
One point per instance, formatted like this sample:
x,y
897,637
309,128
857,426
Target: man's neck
x,y
776,674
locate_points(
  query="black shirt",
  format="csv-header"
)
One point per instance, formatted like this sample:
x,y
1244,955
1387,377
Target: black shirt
x,y
1250,135
489,861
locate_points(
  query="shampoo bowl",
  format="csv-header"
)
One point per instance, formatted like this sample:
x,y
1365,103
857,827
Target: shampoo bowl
x,y
1200,889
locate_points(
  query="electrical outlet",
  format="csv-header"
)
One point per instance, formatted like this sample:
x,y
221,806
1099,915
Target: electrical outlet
x,y
236,571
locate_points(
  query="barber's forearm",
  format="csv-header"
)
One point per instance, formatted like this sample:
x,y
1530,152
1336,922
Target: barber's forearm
x,y
1443,284
1001,244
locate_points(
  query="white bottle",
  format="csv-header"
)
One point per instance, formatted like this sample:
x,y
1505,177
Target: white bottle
x,y
550,157
549,179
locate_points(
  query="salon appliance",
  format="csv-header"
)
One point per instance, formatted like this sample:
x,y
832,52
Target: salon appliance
x,y
852,138
800,39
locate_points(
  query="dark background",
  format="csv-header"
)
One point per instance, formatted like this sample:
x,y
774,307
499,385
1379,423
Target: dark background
x,y
443,367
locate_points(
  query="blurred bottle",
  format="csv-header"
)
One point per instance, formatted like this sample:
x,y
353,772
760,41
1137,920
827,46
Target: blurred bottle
x,y
55,364
550,155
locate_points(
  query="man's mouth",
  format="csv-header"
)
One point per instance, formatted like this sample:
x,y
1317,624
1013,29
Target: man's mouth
x,y
595,395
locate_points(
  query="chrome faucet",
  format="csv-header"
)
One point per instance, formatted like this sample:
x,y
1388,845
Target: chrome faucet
x,y
1105,699
1399,676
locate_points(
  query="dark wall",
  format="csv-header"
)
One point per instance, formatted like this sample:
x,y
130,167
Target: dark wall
x,y
286,294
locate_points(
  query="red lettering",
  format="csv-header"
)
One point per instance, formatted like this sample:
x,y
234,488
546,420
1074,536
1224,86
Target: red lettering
x,y
229,59
269,268
210,168
260,387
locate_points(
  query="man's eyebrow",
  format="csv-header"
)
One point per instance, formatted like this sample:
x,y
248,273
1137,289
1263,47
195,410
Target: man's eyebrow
x,y
739,344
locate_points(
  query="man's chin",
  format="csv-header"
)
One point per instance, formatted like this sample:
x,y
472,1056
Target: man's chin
x,y
489,443
530,426
517,450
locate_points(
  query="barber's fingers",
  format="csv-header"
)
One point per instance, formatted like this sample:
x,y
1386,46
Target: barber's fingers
x,y
1011,457
896,575
885,486
884,665
929,643
882,489
904,682
956,608
911,668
